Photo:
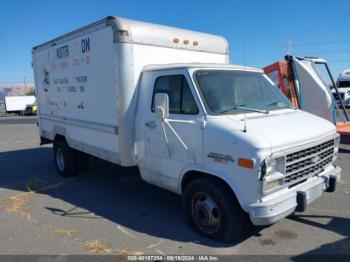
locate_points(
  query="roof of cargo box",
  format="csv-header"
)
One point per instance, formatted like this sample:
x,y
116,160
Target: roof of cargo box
x,y
136,32
201,66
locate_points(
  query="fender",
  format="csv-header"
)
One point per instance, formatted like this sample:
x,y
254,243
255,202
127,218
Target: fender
x,y
216,173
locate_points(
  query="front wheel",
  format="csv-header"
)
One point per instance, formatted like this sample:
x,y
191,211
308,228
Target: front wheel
x,y
212,210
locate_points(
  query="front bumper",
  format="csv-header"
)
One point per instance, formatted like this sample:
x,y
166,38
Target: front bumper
x,y
286,201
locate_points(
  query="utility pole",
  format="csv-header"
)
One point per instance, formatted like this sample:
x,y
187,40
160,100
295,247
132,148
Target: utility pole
x,y
25,86
289,47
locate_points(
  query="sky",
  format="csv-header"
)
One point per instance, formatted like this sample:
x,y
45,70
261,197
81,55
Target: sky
x,y
258,32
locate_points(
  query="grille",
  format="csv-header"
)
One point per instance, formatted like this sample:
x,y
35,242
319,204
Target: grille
x,y
308,162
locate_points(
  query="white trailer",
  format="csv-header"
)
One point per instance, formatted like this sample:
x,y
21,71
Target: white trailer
x,y
166,100
17,104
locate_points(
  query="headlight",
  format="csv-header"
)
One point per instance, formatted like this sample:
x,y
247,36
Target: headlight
x,y
273,172
275,165
271,165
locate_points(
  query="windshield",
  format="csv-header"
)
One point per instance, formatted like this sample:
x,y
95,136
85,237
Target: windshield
x,y
230,92
342,84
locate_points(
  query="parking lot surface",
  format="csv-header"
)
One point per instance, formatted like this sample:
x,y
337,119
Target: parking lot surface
x,y
110,210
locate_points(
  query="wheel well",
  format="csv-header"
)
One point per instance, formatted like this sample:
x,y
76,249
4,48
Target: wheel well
x,y
192,175
59,138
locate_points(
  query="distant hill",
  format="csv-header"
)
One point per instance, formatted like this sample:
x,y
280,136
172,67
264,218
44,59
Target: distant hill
x,y
13,89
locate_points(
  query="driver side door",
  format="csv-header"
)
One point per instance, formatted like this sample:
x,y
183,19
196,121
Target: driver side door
x,y
165,147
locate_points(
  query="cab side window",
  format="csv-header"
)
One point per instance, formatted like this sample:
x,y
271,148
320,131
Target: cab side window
x,y
181,100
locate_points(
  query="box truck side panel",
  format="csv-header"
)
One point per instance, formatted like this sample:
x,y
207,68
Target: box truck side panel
x,y
77,80
76,83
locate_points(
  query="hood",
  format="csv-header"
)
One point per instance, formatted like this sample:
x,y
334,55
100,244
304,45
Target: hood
x,y
281,129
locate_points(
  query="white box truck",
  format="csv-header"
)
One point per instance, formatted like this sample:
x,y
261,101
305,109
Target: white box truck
x,y
17,104
166,100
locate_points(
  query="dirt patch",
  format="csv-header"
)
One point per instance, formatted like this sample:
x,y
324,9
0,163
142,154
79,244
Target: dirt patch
x,y
98,246
65,232
17,204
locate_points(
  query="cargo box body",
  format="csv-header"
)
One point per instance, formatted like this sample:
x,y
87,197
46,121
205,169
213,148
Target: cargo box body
x,y
86,81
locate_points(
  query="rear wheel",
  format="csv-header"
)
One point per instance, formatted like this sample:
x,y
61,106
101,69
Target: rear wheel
x,y
212,210
66,159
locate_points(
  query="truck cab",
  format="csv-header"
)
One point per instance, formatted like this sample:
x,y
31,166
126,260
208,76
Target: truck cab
x,y
202,129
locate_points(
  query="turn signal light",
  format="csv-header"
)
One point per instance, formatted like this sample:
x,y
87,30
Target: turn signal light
x,y
246,163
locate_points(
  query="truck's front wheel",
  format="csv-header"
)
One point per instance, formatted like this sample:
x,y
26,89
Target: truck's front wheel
x,y
65,159
212,210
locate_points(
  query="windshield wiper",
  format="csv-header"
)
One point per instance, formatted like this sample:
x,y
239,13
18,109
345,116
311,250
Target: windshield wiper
x,y
273,104
245,108
278,104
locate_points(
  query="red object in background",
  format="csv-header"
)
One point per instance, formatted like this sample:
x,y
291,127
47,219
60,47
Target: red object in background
x,y
281,74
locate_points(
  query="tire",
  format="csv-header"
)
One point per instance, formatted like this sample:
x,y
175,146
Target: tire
x,y
66,159
225,223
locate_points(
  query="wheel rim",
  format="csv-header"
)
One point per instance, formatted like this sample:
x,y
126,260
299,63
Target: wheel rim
x,y
60,159
206,213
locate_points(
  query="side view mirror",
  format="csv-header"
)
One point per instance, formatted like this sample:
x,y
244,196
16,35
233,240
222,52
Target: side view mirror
x,y
161,105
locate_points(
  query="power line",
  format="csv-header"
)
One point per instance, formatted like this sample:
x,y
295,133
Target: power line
x,y
25,86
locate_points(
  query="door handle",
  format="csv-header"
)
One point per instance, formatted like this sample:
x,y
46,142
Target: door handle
x,y
151,124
